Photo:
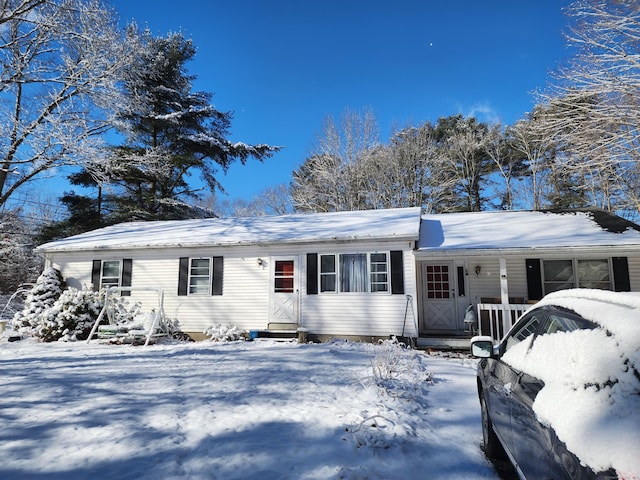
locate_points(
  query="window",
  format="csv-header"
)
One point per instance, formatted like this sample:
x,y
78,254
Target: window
x,y
354,272
199,276
560,322
328,273
111,273
284,276
583,273
594,274
526,329
379,273
110,276
438,281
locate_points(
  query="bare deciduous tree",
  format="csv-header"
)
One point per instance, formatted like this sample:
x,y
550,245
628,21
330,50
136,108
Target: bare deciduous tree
x,y
59,67
593,110
333,178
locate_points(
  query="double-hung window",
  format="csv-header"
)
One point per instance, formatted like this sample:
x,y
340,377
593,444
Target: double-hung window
x,y
200,276
354,272
110,274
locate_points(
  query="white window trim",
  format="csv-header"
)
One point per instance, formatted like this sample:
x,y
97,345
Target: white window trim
x,y
102,277
337,274
190,276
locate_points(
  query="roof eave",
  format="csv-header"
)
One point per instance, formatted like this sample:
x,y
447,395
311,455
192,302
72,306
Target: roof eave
x,y
474,252
340,240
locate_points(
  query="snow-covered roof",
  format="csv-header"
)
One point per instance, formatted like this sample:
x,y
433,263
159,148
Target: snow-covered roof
x,y
397,224
515,230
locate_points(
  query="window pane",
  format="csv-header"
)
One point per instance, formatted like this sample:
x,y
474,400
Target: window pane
x,y
328,283
327,263
558,275
558,270
284,268
353,272
594,274
284,273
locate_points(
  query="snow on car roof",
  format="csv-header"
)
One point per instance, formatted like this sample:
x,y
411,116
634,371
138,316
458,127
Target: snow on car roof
x,y
296,228
525,229
591,393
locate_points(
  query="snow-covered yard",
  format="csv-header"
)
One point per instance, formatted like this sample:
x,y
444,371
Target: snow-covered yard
x,y
239,410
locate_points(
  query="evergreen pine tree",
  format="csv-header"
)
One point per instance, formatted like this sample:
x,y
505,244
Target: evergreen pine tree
x,y
48,288
171,133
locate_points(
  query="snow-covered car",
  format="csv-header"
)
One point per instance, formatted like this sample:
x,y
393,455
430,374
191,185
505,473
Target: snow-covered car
x,y
560,394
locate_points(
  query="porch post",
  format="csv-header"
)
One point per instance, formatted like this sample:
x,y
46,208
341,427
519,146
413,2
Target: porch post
x,y
504,296
504,285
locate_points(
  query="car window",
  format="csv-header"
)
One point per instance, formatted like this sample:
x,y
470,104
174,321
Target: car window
x,y
528,327
559,322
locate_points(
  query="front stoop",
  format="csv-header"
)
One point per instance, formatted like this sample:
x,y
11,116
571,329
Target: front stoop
x,y
284,331
444,343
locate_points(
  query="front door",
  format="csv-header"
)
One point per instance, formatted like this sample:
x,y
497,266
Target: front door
x,y
439,312
284,291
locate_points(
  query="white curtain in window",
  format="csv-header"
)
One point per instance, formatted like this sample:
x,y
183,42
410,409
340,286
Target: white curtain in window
x,y
353,272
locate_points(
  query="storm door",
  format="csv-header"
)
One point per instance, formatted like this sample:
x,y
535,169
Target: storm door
x,y
438,298
284,291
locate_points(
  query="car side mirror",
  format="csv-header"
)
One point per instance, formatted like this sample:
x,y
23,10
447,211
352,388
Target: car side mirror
x,y
482,346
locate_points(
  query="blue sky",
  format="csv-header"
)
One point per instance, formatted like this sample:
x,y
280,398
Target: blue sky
x,y
282,66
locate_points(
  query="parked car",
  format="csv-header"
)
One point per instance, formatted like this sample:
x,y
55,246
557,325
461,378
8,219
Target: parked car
x,y
560,394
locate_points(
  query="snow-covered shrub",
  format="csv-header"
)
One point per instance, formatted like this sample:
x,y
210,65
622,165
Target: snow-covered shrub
x,y
397,369
387,359
70,318
47,289
224,333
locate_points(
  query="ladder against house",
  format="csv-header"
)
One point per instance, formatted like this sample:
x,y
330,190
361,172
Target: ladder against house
x,y
147,326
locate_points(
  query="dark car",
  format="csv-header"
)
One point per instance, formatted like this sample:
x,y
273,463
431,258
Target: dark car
x,y
570,345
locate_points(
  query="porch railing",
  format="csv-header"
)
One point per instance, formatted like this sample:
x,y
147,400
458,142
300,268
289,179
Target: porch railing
x,y
495,319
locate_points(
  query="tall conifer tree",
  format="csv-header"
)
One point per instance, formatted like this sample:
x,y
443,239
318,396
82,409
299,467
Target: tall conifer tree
x,y
171,132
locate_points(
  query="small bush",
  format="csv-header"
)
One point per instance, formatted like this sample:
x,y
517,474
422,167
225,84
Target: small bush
x,y
224,333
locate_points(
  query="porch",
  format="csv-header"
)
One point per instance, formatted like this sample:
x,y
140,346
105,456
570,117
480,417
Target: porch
x,y
492,319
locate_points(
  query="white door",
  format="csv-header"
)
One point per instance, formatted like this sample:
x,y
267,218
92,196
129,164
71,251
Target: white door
x,y
284,290
438,298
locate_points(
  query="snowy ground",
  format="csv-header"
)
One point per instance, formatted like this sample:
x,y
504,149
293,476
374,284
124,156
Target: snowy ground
x,y
248,410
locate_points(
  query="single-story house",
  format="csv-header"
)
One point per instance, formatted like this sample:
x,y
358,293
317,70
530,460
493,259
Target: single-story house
x,y
364,274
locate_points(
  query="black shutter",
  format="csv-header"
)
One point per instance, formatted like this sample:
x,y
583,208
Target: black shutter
x,y
621,281
397,272
312,273
95,274
126,275
218,275
534,279
183,276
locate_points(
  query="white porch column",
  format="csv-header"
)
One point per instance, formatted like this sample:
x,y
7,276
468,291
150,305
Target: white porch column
x,y
504,284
